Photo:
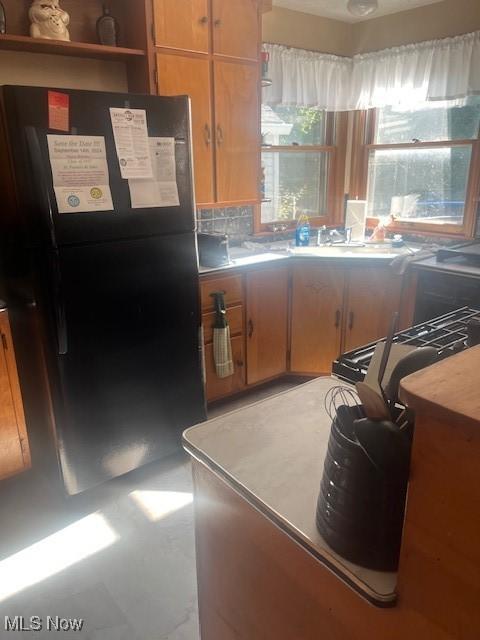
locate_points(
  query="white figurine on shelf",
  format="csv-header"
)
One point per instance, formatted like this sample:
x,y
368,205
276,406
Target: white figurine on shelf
x,y
48,20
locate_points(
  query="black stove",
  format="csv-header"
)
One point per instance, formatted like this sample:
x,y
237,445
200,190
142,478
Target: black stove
x,y
448,334
465,253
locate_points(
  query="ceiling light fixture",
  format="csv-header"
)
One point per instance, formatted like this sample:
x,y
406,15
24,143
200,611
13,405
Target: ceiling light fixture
x,y
362,8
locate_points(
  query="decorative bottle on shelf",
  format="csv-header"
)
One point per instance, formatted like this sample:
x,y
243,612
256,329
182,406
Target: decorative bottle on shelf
x,y
302,233
3,19
107,28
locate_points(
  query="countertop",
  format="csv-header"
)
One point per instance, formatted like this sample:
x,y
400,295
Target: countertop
x,y
430,390
272,453
455,266
275,252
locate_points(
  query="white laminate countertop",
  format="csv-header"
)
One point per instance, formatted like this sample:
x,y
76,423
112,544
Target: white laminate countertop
x,y
372,253
272,452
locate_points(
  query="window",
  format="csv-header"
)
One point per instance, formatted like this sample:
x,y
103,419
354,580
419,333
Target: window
x,y
298,163
421,164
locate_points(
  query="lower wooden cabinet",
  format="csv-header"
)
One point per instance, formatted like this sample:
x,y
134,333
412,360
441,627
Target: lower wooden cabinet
x,y
267,323
220,387
336,309
374,295
14,448
317,315
329,309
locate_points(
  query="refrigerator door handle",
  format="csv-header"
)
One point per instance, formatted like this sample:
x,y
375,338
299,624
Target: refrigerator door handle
x,y
39,177
58,306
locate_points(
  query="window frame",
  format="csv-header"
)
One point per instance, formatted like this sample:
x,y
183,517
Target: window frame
x,y
363,142
336,147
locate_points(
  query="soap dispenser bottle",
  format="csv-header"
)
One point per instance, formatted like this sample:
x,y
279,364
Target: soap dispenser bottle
x,y
302,233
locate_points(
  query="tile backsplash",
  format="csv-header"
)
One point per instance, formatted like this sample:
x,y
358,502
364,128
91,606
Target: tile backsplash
x,y
236,222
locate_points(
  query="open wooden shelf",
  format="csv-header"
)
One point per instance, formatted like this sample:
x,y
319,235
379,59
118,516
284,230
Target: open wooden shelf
x,y
74,49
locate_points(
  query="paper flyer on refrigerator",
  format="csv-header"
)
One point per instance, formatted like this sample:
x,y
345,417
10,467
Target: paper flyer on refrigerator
x,y
80,173
162,190
131,140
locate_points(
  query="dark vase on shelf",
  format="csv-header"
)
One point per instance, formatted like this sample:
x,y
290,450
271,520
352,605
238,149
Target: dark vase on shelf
x,y
3,19
107,28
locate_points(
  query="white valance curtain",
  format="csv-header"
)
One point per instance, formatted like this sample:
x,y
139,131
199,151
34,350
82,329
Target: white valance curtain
x,y
446,69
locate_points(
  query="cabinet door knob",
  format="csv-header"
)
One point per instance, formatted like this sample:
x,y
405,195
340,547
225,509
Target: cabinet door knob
x,y
208,134
250,328
338,317
203,20
239,363
217,22
350,320
219,135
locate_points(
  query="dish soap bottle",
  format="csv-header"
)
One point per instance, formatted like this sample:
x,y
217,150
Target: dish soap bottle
x,y
107,28
302,233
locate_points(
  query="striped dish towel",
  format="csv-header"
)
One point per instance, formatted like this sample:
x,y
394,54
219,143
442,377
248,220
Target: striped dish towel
x,y
222,352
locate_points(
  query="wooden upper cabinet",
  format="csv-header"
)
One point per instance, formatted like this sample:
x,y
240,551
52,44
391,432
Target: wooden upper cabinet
x,y
179,75
236,28
182,24
317,313
374,295
237,131
14,449
267,323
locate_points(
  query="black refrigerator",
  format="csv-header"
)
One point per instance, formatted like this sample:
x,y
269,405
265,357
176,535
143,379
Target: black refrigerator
x,y
104,304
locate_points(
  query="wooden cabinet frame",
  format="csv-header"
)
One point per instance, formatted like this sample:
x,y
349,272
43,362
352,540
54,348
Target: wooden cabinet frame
x,y
363,144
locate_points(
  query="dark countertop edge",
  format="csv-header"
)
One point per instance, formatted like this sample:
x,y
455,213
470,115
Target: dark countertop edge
x,y
444,267
366,260
382,602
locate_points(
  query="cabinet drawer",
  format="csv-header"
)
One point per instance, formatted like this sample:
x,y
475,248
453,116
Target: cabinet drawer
x,y
235,320
221,387
232,286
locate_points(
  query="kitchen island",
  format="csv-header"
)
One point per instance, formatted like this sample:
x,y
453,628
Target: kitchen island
x,y
264,572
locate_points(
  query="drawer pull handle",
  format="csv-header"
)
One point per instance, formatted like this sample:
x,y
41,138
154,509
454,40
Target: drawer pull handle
x,y
250,328
208,134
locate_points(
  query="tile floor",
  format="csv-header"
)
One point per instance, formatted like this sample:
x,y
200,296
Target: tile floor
x,y
120,556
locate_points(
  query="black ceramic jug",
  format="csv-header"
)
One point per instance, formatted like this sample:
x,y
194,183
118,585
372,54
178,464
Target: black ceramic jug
x,y
361,505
